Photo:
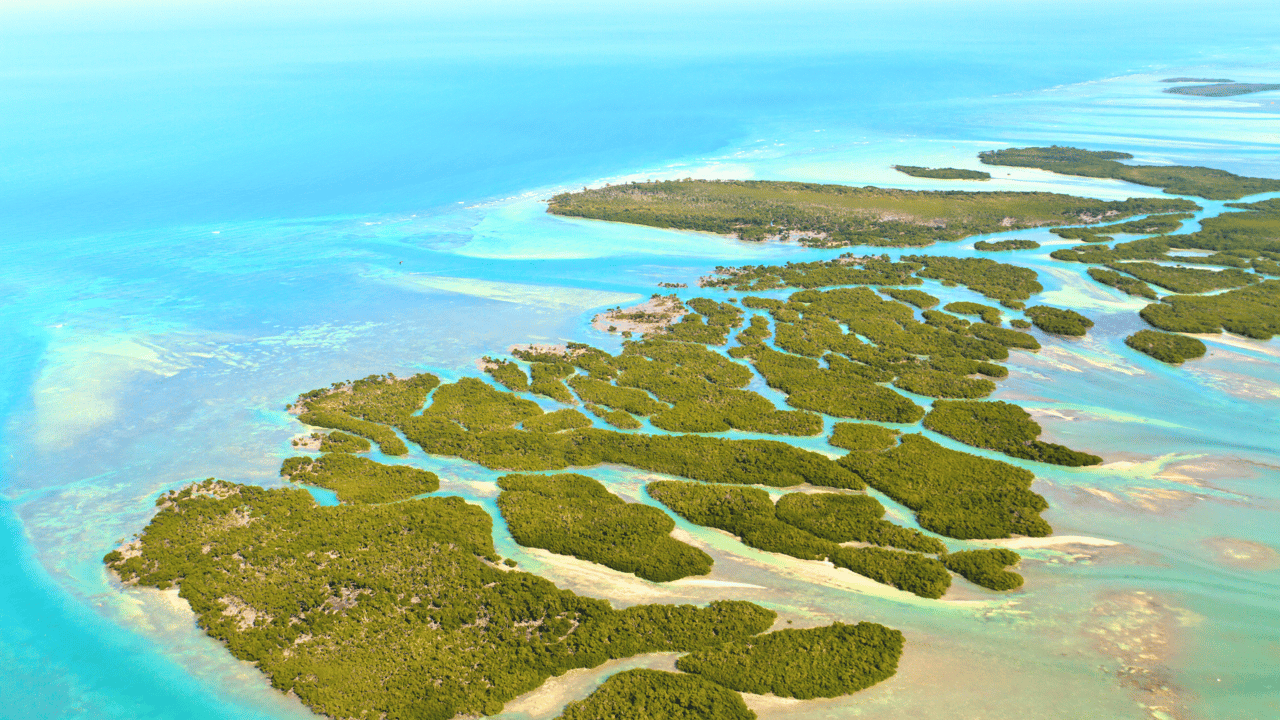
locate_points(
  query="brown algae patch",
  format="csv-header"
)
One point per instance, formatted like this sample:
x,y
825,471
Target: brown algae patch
x,y
1244,554
1139,633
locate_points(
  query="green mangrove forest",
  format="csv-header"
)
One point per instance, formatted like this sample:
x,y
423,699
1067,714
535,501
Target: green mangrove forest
x,y
395,610
573,514
1059,321
1003,427
942,173
1204,182
1171,348
986,567
360,480
643,694
1000,245
812,663
750,514
838,215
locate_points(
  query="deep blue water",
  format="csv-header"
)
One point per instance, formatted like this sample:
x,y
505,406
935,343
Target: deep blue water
x,y
204,211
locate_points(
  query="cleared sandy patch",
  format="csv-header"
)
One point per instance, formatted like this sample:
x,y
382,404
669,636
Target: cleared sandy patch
x,y
656,313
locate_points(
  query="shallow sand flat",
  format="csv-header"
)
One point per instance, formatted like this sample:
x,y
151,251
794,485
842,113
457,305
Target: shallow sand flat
x,y
588,578
1053,541
1266,347
550,297
168,619
1141,634
696,582
1244,554
549,700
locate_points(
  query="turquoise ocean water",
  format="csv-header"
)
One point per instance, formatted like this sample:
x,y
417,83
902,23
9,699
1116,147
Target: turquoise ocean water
x,y
206,211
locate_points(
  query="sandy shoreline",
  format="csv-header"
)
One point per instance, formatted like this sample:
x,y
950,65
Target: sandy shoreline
x,y
1053,541
656,313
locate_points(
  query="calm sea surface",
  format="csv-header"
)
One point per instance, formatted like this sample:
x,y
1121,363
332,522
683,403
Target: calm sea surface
x,y
205,212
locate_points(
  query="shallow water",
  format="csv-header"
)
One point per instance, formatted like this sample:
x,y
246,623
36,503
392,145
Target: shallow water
x,y
191,243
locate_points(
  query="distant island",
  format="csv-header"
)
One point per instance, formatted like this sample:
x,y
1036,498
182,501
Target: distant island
x,y
1208,183
1223,89
942,173
1196,80
820,215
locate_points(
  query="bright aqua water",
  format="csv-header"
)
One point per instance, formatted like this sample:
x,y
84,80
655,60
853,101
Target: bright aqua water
x,y
205,214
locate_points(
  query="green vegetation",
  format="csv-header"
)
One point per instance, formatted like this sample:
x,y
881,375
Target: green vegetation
x,y
845,270
837,215
1059,322
917,574
914,297
575,515
1173,179
1003,427
1252,311
1084,234
1123,283
954,493
643,694
547,380
986,567
1186,280
997,281
507,373
1004,336
998,245
718,314
750,514
566,419
849,518
617,418
703,389
391,610
362,407
817,662
942,173
1151,225
1263,266
809,326
634,401
989,315
843,389
477,406
860,436
359,480
1166,347
701,458
745,512
836,348
386,438
926,381
1019,323
340,442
